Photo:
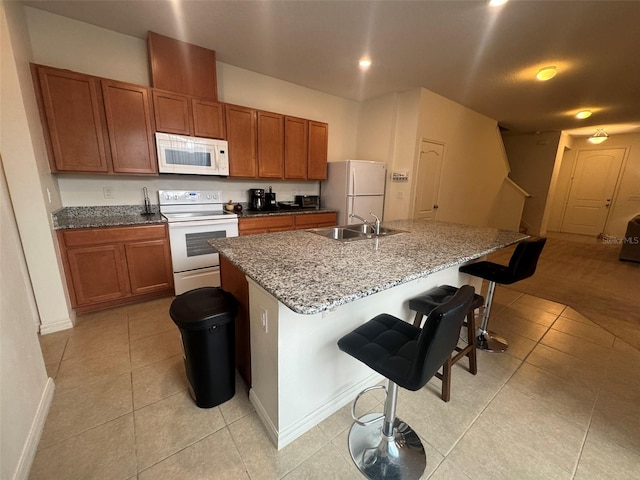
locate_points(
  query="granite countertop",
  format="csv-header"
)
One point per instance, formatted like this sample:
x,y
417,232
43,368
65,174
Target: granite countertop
x,y
309,273
269,213
105,216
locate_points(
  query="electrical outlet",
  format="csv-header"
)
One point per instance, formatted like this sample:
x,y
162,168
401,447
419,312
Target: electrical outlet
x,y
107,192
400,195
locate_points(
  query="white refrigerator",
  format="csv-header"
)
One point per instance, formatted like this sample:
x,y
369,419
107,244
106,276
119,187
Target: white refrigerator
x,y
354,186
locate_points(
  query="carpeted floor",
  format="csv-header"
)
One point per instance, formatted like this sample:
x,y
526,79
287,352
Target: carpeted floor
x,y
587,275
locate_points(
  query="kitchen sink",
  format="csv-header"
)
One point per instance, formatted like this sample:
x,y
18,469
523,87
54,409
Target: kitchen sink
x,y
350,233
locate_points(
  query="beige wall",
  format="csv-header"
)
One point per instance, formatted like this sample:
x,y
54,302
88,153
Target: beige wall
x,y
25,394
474,168
626,202
390,129
27,172
66,43
24,378
533,162
387,129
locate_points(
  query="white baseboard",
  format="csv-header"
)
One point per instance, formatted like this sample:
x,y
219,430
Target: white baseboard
x,y
35,432
287,435
55,326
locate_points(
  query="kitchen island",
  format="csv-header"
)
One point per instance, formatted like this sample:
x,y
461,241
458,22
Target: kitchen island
x,y
306,291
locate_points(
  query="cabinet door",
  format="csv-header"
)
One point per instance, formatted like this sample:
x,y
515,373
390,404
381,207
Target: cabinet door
x,y
270,145
314,220
208,118
73,112
149,266
234,281
241,135
171,111
318,145
98,274
296,149
182,67
130,129
276,223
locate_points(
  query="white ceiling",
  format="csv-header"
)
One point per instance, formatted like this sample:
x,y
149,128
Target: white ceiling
x,y
481,57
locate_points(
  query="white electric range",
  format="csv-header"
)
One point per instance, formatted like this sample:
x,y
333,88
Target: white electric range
x,y
193,218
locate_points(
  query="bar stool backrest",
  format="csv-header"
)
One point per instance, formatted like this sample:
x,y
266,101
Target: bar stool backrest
x,y
524,260
439,337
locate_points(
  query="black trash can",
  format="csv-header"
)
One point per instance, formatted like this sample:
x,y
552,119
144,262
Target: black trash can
x,y
206,319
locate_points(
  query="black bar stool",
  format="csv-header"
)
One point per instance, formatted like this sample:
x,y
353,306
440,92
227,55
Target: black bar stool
x,y
424,304
383,446
522,265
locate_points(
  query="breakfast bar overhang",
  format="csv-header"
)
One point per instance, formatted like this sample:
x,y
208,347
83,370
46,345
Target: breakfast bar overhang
x,y
307,291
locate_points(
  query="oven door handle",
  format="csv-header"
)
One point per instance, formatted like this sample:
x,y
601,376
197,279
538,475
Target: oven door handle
x,y
202,223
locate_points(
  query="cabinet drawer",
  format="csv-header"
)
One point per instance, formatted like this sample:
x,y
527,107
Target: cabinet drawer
x,y
280,221
312,219
97,236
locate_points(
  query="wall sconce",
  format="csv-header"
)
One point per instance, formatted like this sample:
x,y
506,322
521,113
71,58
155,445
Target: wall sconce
x,y
598,137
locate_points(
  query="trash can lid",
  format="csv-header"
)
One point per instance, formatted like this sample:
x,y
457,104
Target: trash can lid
x,y
203,308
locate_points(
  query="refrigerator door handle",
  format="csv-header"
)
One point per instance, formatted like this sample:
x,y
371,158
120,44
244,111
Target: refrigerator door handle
x,y
353,182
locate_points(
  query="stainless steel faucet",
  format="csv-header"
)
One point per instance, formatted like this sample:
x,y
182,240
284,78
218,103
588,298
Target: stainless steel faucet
x,y
359,218
377,224
367,225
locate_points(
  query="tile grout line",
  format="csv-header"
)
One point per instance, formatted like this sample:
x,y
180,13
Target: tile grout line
x,y
522,362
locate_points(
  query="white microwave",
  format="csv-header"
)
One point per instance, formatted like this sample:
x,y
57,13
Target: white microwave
x,y
192,155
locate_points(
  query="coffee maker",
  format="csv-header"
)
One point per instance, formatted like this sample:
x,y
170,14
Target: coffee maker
x,y
256,198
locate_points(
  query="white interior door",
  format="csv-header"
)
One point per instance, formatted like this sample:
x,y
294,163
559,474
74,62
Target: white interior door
x,y
592,186
428,180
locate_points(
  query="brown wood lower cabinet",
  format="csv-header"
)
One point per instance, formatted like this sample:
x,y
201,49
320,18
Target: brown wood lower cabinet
x,y
233,281
110,266
282,223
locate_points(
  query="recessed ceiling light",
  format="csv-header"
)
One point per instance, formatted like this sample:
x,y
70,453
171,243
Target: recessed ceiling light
x,y
546,73
497,3
583,114
365,63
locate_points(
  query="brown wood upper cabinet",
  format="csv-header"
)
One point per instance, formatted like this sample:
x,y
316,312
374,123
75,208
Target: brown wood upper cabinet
x,y
182,67
270,145
94,125
186,115
130,127
296,141
241,135
72,114
318,146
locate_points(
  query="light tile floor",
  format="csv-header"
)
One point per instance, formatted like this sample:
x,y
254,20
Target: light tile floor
x,y
561,403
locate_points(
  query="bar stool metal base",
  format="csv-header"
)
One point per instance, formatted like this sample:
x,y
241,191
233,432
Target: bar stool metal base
x,y
491,342
378,456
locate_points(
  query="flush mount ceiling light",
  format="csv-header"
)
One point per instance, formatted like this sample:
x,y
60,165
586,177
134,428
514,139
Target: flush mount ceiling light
x,y
365,63
497,3
598,137
583,114
546,73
